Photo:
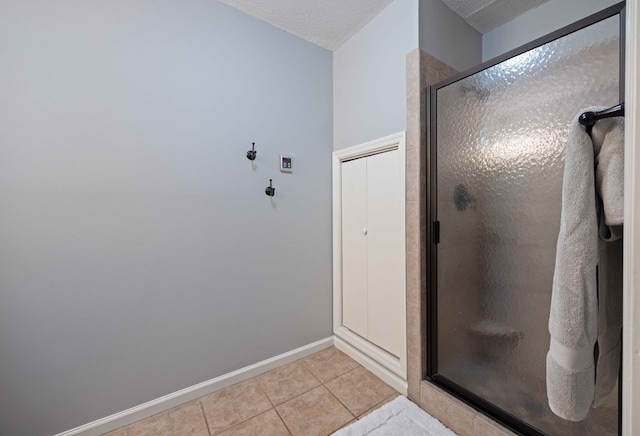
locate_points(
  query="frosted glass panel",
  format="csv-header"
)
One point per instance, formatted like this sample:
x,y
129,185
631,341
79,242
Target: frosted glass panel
x,y
501,137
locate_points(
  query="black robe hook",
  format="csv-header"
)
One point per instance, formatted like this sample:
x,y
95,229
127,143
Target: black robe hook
x,y
251,154
270,191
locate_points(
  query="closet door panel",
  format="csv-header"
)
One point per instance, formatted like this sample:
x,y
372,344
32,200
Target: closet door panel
x,y
354,246
385,267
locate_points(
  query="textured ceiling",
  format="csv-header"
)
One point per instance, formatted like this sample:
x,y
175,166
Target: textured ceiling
x,y
326,23
485,15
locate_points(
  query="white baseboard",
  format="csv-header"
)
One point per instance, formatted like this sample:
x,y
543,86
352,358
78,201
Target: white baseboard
x,y
383,357
169,401
385,374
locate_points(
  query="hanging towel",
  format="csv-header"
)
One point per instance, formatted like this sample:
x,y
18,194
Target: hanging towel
x,y
586,302
608,141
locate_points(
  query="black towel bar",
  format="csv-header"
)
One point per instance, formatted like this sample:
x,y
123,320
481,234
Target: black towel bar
x,y
588,119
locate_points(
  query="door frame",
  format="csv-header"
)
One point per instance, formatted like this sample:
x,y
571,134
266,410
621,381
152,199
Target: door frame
x,y
432,375
631,281
385,365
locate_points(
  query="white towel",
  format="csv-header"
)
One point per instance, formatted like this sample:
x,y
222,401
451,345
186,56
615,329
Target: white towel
x,y
586,306
400,417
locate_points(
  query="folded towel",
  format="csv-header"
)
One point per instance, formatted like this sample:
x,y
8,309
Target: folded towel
x,y
586,301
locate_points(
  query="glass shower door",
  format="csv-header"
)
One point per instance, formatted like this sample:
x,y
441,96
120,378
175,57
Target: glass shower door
x,y
500,141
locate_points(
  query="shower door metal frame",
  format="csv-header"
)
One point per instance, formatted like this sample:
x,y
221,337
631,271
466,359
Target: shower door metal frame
x,y
432,235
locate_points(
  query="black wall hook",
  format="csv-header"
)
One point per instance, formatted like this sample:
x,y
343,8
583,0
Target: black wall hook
x,y
270,191
251,154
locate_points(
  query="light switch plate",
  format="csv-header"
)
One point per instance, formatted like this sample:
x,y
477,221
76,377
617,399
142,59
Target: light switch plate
x,y
286,163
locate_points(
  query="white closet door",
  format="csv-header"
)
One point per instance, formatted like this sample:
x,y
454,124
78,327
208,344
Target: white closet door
x,y
354,246
385,267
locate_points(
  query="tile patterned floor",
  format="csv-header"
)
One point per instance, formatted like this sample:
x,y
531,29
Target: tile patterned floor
x,y
316,395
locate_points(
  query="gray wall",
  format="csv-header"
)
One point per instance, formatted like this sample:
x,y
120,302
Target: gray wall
x,y
369,69
139,254
446,36
369,76
538,22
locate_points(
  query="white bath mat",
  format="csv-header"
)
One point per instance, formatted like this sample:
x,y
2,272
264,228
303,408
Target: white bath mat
x,y
400,417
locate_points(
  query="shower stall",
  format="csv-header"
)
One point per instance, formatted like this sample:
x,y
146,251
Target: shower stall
x,y
495,168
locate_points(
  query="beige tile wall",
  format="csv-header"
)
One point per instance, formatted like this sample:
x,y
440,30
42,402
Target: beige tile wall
x,y
456,415
424,70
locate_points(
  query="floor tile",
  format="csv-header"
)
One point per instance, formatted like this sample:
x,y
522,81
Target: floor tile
x,y
267,424
359,390
180,421
348,423
234,404
287,382
315,413
329,364
380,404
119,432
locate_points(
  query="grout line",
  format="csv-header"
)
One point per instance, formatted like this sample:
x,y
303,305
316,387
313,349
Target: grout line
x,y
321,384
260,386
351,370
283,421
280,378
274,406
204,415
299,395
262,389
248,419
397,394
294,397
340,401
342,426
357,417
338,376
310,372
